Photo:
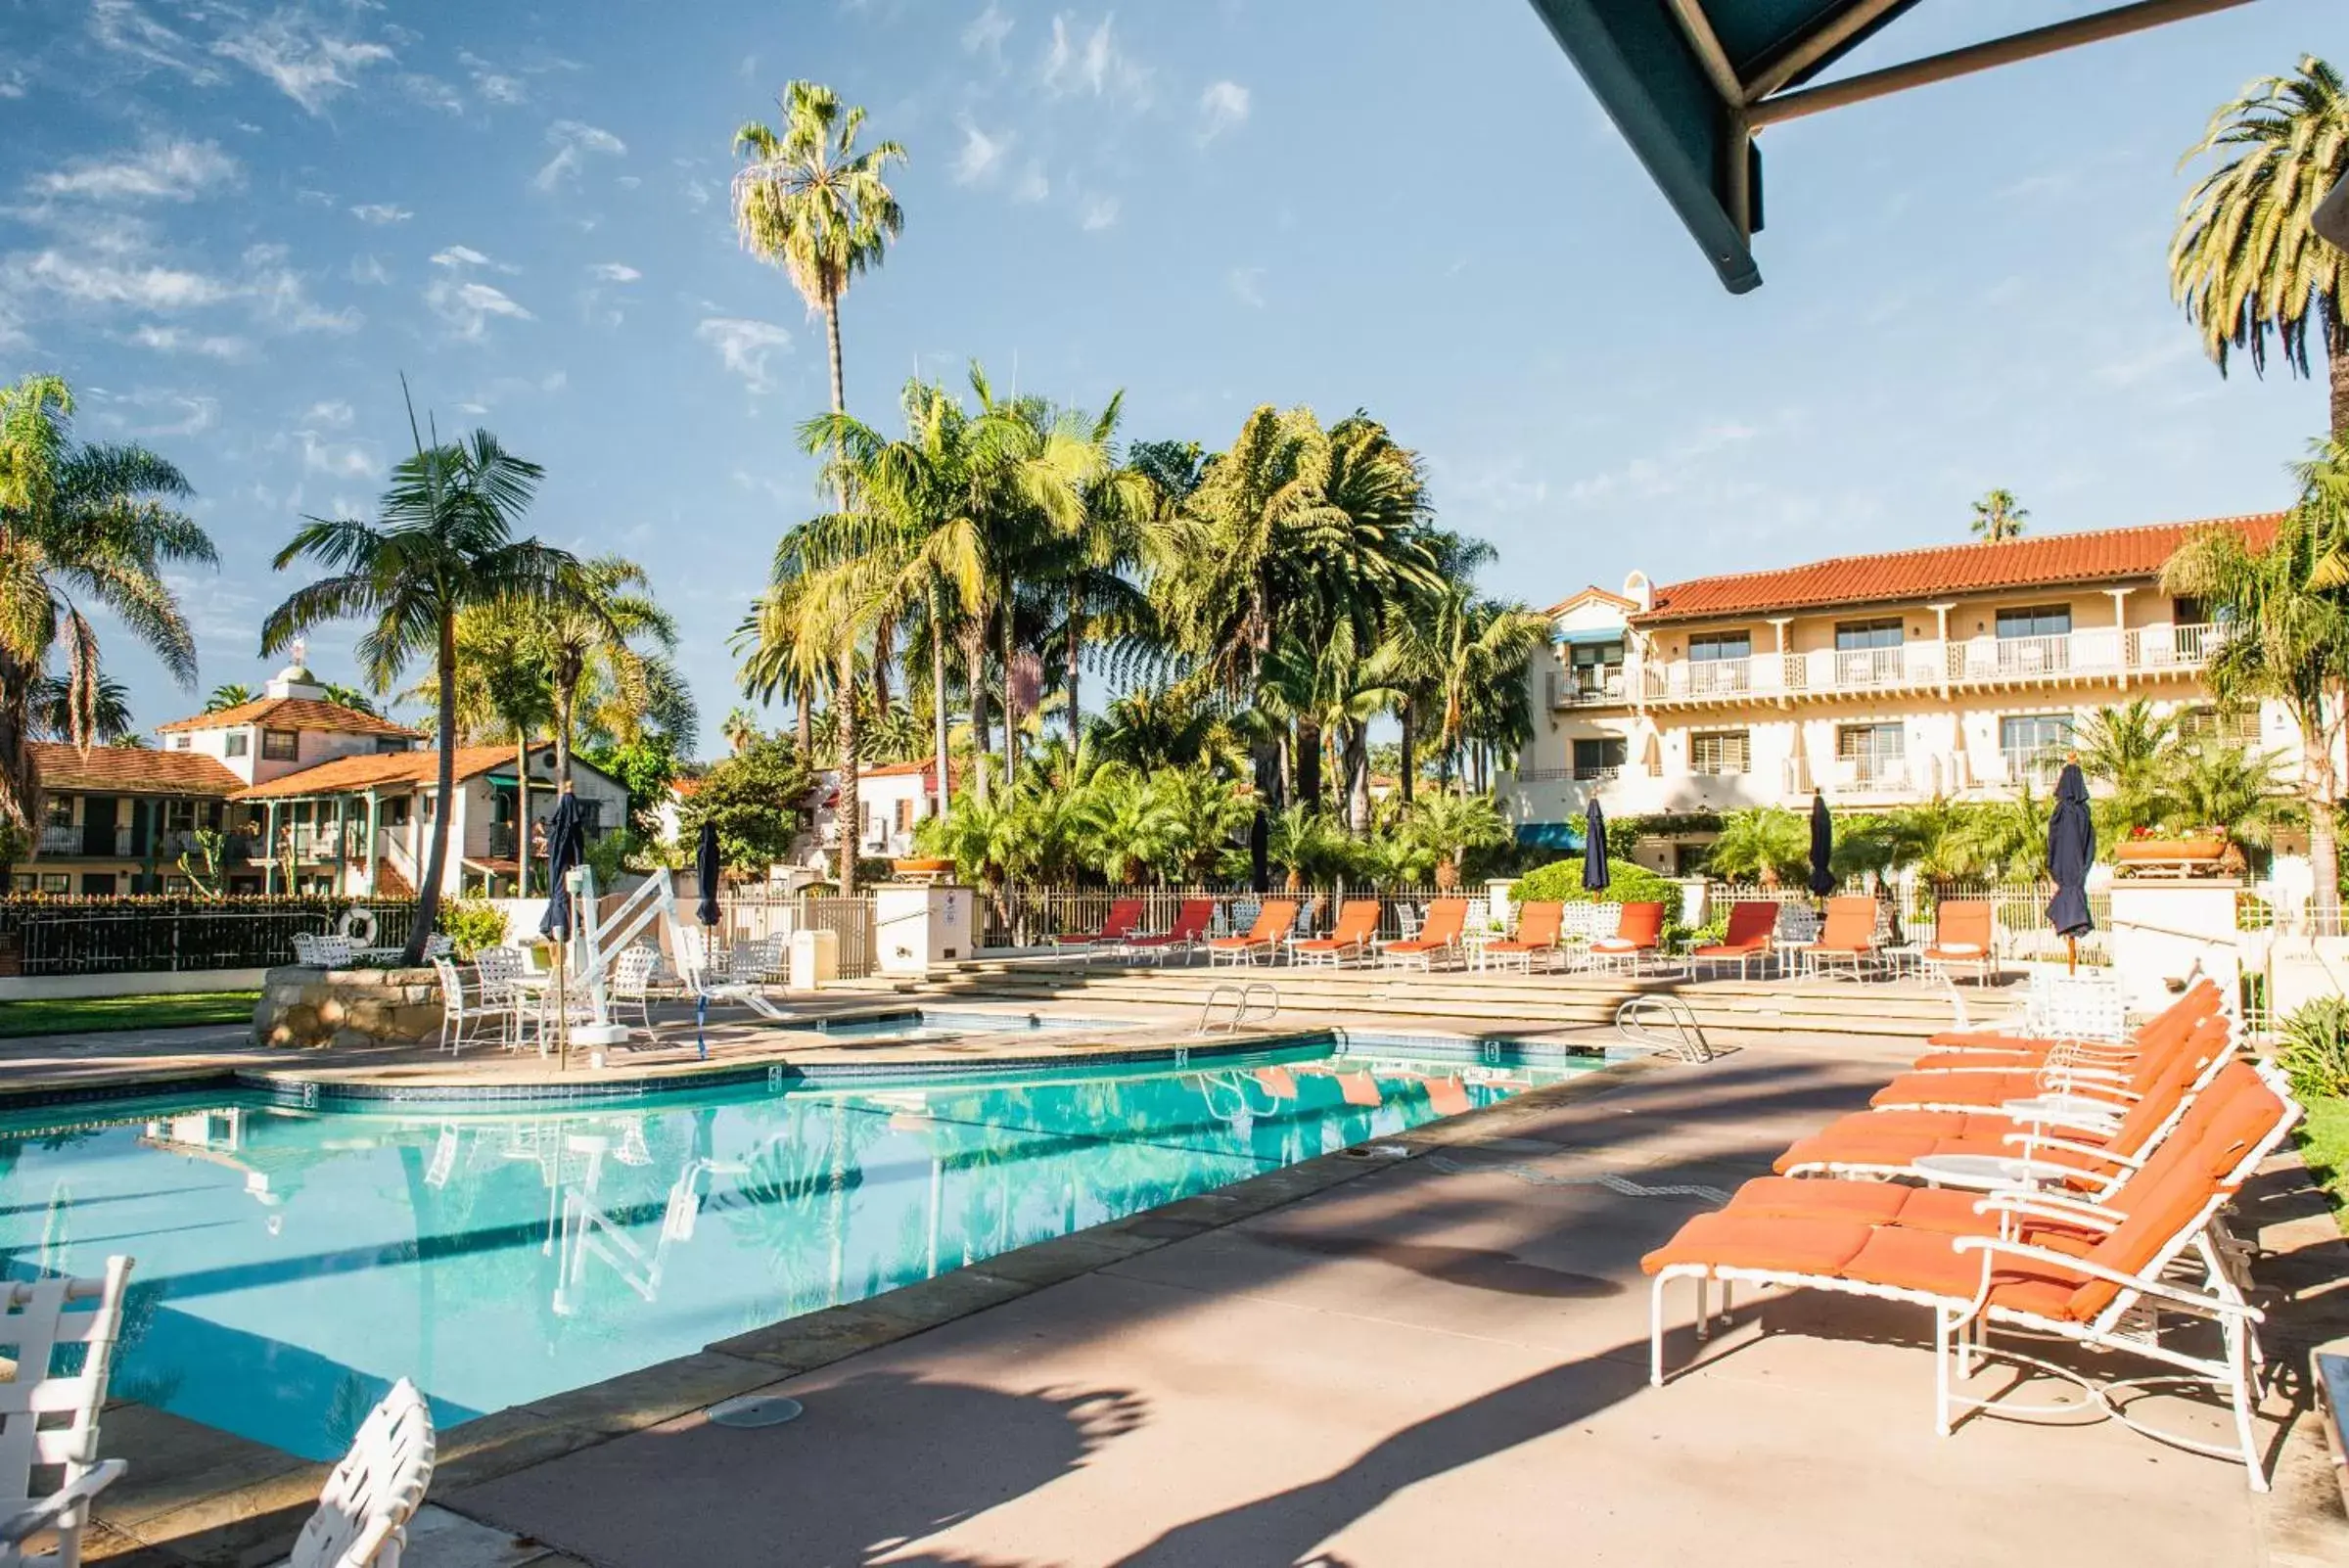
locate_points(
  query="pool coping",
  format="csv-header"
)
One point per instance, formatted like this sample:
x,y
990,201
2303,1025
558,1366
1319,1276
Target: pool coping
x,y
206,1498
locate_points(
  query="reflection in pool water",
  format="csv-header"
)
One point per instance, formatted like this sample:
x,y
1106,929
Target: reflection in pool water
x,y
292,1262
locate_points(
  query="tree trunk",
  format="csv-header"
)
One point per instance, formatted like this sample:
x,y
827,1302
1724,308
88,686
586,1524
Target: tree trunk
x,y
1358,778
805,721
566,702
941,758
1075,654
1403,716
885,642
2337,365
19,774
2324,838
845,814
974,666
840,397
522,809
435,857
1309,763
1011,706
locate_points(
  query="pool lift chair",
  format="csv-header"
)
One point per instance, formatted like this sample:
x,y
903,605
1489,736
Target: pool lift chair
x,y
602,940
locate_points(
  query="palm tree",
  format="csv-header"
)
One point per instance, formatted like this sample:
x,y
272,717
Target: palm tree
x,y
1164,728
1124,823
109,711
2130,748
2287,634
1998,518
739,730
78,523
444,543
2232,788
1769,845
1208,813
348,697
589,641
1448,826
2246,263
231,695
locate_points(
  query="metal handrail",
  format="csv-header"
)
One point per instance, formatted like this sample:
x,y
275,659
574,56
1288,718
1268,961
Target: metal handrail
x,y
1644,1019
1241,998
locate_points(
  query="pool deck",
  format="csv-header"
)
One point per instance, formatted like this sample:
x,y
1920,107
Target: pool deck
x,y
1430,1352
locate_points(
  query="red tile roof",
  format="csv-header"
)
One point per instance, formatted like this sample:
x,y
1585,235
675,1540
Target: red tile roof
x,y
132,770
2047,561
894,769
292,713
344,774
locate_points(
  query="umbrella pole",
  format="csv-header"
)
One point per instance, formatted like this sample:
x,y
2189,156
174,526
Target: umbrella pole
x,y
562,1012
2071,962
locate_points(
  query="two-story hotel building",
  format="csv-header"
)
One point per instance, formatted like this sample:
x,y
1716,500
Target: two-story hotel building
x,y
1958,672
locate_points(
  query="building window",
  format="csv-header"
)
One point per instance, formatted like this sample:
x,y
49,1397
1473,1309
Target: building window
x,y
1873,753
281,746
395,812
2036,621
2208,723
2035,639
387,744
1720,660
1599,759
1709,647
1854,636
1867,653
23,882
1728,750
180,743
238,743
55,882
58,810
2034,745
1595,669
904,816
179,816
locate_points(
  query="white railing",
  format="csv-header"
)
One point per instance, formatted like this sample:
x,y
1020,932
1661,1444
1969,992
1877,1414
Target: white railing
x,y
1928,666
1570,688
79,840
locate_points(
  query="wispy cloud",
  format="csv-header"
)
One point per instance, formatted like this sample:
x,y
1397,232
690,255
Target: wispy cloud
x,y
987,32
615,272
467,304
1032,185
12,82
1095,65
490,84
120,28
334,414
432,92
1247,285
381,213
187,414
309,64
572,140
1100,213
1222,107
337,459
744,345
180,340
980,155
87,282
368,270
163,169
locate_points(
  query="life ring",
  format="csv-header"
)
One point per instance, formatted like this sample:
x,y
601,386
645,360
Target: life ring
x,y
357,926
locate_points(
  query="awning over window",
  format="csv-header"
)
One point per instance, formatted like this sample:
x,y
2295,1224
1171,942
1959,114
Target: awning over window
x,y
1599,635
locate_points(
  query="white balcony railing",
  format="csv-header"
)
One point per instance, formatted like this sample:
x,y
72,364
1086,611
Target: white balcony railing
x,y
1929,665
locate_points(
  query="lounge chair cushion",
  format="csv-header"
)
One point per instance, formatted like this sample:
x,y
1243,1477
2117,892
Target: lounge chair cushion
x,y
1618,945
1869,1203
1985,1089
1924,1261
1725,950
1955,949
1727,1240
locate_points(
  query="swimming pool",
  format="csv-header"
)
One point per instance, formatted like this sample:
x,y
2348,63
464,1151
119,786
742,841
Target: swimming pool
x,y
292,1262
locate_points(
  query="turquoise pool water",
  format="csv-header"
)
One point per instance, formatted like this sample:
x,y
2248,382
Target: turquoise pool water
x,y
293,1262
931,1023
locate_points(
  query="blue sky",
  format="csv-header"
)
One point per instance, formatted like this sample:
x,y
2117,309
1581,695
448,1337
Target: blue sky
x,y
233,226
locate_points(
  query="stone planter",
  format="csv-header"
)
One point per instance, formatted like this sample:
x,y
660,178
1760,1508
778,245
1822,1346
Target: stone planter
x,y
302,1007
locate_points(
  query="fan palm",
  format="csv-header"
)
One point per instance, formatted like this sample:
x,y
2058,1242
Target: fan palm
x,y
444,543
593,641
1998,518
2247,261
231,695
2130,748
2287,634
80,524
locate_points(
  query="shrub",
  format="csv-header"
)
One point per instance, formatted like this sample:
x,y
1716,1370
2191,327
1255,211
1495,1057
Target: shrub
x,y
1627,882
472,925
2314,1048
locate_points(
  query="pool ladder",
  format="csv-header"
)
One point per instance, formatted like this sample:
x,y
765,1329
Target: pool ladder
x,y
1242,1000
1662,1024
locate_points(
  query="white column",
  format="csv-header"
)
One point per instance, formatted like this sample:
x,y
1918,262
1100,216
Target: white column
x,y
2120,636
1777,625
1941,631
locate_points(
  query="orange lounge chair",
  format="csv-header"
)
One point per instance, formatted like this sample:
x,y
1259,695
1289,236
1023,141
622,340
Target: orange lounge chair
x,y
1848,936
2046,1266
1446,919
1752,924
1193,917
1271,929
1963,937
2063,1139
1538,925
1964,1050
1640,933
1124,915
2118,1084
1357,924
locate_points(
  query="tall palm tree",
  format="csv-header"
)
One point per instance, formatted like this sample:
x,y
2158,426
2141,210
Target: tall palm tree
x,y
1998,518
2246,263
78,523
109,711
1094,570
444,543
348,697
232,695
2288,635
592,640
739,730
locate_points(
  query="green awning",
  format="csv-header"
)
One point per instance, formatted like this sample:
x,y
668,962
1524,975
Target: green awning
x,y
1688,82
1593,635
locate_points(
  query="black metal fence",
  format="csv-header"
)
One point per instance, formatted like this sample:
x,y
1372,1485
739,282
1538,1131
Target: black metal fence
x,y
121,936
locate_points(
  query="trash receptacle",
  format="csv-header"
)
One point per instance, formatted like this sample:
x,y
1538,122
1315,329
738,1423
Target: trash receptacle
x,y
814,958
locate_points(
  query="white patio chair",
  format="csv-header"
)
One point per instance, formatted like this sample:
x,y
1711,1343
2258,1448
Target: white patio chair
x,y
363,1514
41,1315
497,969
458,1011
630,983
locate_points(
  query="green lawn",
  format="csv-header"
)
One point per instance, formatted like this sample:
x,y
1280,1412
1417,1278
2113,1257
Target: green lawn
x,y
2325,1145
93,1014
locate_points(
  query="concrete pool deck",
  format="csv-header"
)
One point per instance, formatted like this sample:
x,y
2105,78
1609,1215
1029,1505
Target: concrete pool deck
x,y
1433,1355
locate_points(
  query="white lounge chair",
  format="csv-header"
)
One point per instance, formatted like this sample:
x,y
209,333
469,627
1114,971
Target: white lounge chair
x,y
363,1514
41,1315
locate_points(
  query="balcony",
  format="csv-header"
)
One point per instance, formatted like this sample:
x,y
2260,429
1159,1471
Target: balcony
x,y
1589,687
317,843
1972,664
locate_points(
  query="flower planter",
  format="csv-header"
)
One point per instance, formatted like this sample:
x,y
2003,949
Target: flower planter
x,y
2176,858
926,868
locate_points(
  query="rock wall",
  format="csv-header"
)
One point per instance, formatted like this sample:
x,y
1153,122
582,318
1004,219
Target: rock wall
x,y
303,1006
